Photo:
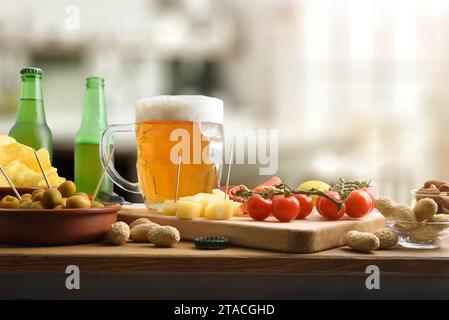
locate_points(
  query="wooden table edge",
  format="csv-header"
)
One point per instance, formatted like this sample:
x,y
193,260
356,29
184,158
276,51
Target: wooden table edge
x,y
230,265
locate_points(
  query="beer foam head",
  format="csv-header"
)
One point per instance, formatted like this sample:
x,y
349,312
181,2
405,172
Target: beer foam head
x,y
181,108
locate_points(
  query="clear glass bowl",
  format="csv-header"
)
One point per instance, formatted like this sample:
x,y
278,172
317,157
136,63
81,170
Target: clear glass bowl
x,y
441,198
420,235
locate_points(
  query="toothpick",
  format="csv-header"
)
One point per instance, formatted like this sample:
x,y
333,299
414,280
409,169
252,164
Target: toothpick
x,y
178,175
231,156
10,183
42,169
103,175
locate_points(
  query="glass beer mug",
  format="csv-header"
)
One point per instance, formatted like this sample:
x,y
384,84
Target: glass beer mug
x,y
172,132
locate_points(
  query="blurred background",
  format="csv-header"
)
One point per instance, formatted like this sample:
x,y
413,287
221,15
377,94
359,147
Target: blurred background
x,y
356,88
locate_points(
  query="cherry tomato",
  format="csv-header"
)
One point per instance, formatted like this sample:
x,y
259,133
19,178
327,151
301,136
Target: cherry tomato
x,y
259,208
286,209
372,193
359,204
306,204
328,209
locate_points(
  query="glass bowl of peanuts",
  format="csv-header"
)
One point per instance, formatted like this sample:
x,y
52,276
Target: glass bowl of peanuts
x,y
420,226
421,235
441,198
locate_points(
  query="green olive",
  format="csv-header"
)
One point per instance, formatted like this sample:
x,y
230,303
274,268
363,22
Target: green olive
x,y
10,202
81,194
25,203
59,207
36,205
96,204
26,195
51,198
64,202
67,188
78,202
37,194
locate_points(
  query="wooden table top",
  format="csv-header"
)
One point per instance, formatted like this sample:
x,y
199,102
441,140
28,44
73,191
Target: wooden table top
x,y
140,259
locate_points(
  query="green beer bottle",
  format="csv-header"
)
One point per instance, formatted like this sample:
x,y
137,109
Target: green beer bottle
x,y
88,168
31,126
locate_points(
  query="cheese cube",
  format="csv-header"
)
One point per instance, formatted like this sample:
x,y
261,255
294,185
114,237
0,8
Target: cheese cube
x,y
188,210
237,208
220,194
169,208
196,198
220,210
204,203
206,195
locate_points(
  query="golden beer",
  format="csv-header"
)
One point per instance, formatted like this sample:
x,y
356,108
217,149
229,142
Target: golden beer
x,y
157,167
169,129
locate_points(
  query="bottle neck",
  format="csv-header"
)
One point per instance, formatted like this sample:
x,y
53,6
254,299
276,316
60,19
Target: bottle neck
x,y
31,105
94,115
31,88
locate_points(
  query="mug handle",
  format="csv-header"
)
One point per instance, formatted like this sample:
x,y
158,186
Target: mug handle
x,y
105,154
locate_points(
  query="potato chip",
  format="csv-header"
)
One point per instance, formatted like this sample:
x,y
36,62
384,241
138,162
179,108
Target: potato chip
x,y
53,180
44,157
14,151
22,167
17,151
3,182
4,140
26,177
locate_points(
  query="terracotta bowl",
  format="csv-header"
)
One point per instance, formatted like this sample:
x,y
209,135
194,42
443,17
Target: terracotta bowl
x,y
45,227
7,191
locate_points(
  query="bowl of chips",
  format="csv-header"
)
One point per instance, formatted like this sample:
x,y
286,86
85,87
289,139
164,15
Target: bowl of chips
x,y
21,166
22,223
55,227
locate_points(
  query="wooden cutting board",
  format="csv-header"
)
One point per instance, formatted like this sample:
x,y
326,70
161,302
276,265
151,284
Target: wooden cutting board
x,y
302,236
